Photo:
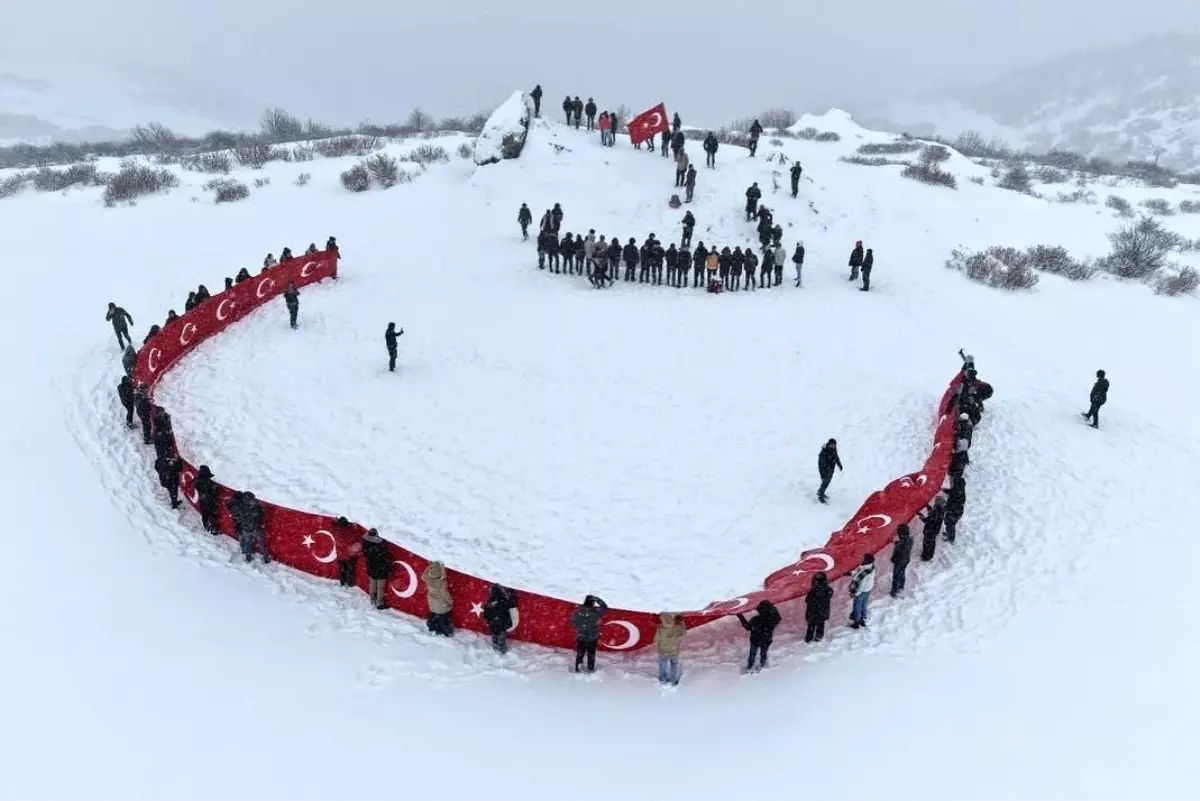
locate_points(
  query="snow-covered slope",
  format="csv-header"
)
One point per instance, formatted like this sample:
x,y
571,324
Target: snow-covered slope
x,y
648,443
1138,101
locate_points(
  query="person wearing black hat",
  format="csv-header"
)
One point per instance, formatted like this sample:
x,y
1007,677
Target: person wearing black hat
x,y
205,489
389,339
827,459
816,607
1098,398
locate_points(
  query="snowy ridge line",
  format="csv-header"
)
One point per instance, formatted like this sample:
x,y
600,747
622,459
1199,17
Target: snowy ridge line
x,y
306,541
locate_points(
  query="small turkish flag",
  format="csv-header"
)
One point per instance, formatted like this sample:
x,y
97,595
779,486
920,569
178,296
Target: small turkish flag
x,y
647,124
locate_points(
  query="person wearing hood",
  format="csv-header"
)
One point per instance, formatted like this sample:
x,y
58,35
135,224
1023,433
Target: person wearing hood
x,y
171,317
689,184
756,130
672,259
827,459
291,299
497,613
796,171
556,217
577,109
207,499
164,435
699,259
752,197
168,468
751,267
684,264
228,283
710,150
762,632
956,504
125,394
868,263
689,225
331,246
817,605
390,337
901,555
190,303
312,248
285,255
568,107
247,515
270,261
586,622
121,320
668,639
961,458
798,260
145,411
152,333
536,95
438,595
1098,397
202,294
856,260
242,276
347,538
932,517
630,255
780,255
862,581
524,219
589,109
379,567
736,264
614,260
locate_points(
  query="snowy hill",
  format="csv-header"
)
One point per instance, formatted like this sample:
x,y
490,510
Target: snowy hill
x,y
1129,102
653,445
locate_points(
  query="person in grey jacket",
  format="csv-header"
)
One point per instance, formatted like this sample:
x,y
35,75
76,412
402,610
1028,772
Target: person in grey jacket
x,y
586,622
129,360
121,320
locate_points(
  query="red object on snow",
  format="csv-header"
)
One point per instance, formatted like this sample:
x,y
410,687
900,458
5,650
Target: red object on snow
x,y
674,202
647,124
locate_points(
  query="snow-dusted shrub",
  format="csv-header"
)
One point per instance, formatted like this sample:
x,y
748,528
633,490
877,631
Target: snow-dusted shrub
x,y
1056,260
279,126
259,183
353,145
419,121
303,178
929,175
13,184
135,180
475,124
1151,173
867,161
357,178
305,152
976,179
1192,177
227,190
1139,250
1120,205
1159,206
1189,206
889,148
48,180
1183,282
1049,175
999,267
428,154
218,162
253,154
465,151
1085,196
813,135
777,118
383,169
776,142
1016,178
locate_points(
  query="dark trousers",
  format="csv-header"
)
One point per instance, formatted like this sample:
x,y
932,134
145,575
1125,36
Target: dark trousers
x,y
753,146
292,312
500,642
687,237
710,159
898,575
537,107
824,486
866,274
1093,413
815,631
129,416
123,337
795,188
644,274
585,649
679,176
759,651
778,274
391,360
173,494
629,269
749,212
146,430
439,623
346,572
554,262
951,526
208,516
524,231
591,122
928,544
696,273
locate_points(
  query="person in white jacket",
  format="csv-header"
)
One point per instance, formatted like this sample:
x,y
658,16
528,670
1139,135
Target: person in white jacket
x,y
862,581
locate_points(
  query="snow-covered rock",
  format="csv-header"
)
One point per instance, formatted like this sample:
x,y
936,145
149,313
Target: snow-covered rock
x,y
503,135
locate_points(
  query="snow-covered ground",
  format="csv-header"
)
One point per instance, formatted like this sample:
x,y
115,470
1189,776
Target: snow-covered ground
x,y
653,445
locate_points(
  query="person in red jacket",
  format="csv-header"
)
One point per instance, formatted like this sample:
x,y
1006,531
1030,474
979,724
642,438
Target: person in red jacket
x,y
348,538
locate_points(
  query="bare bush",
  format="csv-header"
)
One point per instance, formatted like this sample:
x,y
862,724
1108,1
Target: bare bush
x,y
775,142
889,148
465,151
1016,178
976,179
1183,282
383,169
419,121
427,154
1050,175
305,152
812,134
929,175
1192,177
971,144
154,137
1120,205
48,180
218,162
1056,260
253,154
1150,173
13,184
867,161
1084,196
279,126
357,178
352,145
135,180
932,156
1140,249
259,183
227,190
1159,206
989,267
476,122
1189,207
303,178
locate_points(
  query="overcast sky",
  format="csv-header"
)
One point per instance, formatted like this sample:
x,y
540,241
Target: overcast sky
x,y
711,61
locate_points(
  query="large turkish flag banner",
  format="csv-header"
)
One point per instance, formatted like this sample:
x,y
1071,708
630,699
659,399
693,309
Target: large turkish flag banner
x,y
647,124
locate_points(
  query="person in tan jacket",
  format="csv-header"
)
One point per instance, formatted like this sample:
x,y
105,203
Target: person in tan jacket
x,y
668,639
440,602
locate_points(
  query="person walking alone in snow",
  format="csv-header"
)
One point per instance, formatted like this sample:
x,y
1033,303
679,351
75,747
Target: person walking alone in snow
x,y
1098,397
856,260
125,393
796,171
798,260
816,607
827,459
536,95
710,150
862,581
379,567
121,320
755,131
586,622
389,339
291,298
438,596
762,632
497,613
901,555
689,225
668,639
524,219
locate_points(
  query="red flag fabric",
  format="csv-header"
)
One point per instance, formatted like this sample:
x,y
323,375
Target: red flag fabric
x,y
647,124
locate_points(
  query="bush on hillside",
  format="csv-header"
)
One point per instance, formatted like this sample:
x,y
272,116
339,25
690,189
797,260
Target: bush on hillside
x,y
929,174
889,148
812,134
972,145
352,145
303,178
1056,260
419,121
253,154
154,137
1159,206
48,180
1016,178
427,154
976,179
227,190
1120,205
278,125
305,152
1183,282
867,161
1150,173
988,267
135,180
383,169
1085,196
357,178
465,151
777,118
1140,250
1049,175
13,184
1192,177
1189,206
259,183
219,162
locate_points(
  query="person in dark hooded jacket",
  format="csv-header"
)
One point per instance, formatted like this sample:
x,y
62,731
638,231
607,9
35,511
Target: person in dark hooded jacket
x,y
379,567
524,219
630,256
901,555
827,459
285,255
202,294
205,489
121,320
145,411
577,108
798,261
1098,397
536,95
614,260
190,303
689,225
699,257
932,517
762,632
589,109
796,171
168,468
125,393
856,260
586,622
242,276
868,263
291,299
710,150
129,360
152,333
497,613
956,504
756,130
816,607
752,196
247,514
390,337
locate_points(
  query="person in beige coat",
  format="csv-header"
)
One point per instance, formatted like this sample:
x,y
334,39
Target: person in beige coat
x,y
681,166
440,602
668,639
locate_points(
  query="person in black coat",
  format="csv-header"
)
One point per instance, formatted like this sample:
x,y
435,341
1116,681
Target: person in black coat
x,y
536,95
672,259
762,631
543,239
751,265
698,260
956,503
524,219
932,516
577,109
856,260
868,262
724,264
676,123
291,298
816,607
1098,397
121,320
710,150
331,245
556,218
497,613
568,108
205,489
689,225
285,255
827,459
752,196
798,260
614,260
678,140
242,275
630,257
202,294
963,428
589,109
796,171
901,555
389,339
684,264
755,131
145,410
552,250
152,333
168,468
125,393
379,567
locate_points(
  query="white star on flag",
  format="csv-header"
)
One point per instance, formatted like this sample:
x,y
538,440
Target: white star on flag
x,y
477,610
308,542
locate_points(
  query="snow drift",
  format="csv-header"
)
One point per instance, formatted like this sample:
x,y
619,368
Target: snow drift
x,y
503,135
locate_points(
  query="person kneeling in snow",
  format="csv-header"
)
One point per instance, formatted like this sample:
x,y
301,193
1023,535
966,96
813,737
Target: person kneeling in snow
x,y
439,599
862,581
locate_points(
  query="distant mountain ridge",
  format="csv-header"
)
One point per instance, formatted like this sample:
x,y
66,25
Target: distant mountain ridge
x,y
1135,101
